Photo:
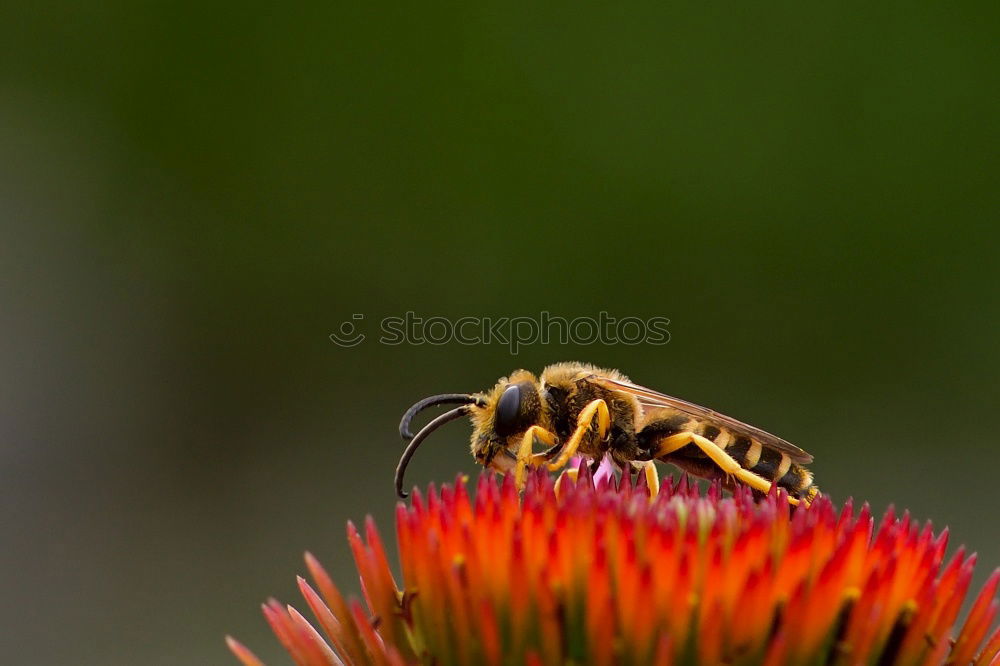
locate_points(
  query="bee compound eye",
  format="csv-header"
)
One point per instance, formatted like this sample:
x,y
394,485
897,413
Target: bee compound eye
x,y
507,409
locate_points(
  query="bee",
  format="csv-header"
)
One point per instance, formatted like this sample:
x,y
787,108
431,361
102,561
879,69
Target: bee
x,y
579,409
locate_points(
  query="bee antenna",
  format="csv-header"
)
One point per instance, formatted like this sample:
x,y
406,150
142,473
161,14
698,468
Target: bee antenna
x,y
432,401
411,448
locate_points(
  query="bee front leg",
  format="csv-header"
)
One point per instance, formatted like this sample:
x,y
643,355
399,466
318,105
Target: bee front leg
x,y
717,455
526,455
597,408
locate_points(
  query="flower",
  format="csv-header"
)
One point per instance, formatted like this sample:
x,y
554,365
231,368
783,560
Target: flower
x,y
596,571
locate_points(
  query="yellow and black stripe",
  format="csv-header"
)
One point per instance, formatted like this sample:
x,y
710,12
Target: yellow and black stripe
x,y
774,466
771,465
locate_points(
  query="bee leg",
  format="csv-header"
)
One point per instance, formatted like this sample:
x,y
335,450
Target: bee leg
x,y
597,408
723,460
571,474
673,443
647,468
652,478
551,452
525,457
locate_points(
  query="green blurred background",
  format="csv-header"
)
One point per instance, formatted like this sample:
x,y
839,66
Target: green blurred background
x,y
195,195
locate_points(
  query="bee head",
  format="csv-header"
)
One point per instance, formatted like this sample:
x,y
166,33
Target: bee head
x,y
499,418
506,412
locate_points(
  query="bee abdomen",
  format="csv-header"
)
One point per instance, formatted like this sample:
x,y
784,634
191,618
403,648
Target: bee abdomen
x,y
745,451
772,465
798,481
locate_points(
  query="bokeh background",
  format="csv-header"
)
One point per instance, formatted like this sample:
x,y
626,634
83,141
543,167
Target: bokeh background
x,y
193,196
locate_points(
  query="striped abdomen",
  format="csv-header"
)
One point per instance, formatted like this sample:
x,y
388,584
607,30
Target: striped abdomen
x,y
768,463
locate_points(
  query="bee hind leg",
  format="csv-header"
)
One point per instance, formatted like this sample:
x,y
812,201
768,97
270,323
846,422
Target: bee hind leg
x,y
717,455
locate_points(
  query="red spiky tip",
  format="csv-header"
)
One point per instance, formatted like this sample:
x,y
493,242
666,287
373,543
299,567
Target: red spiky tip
x,y
598,572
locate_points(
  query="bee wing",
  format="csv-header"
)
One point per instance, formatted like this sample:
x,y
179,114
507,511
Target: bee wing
x,y
650,399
